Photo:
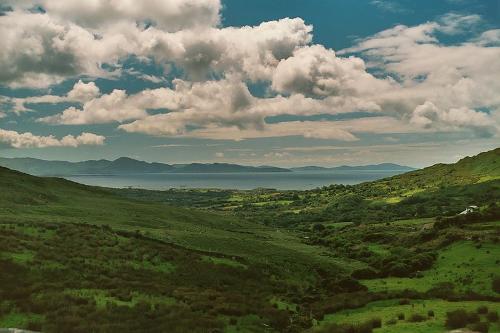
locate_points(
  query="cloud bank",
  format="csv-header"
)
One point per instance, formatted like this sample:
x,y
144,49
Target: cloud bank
x,y
405,77
29,140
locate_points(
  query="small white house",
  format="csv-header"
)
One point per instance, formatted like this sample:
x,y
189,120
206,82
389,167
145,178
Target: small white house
x,y
470,209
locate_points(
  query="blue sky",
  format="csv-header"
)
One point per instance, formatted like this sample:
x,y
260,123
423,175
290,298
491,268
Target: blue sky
x,y
339,82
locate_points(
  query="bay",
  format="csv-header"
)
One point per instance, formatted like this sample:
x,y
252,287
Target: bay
x,y
297,180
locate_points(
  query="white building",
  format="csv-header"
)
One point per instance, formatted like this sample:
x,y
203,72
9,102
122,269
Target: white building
x,y
470,209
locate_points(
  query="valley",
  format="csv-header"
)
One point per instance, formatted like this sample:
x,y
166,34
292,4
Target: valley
x,y
387,256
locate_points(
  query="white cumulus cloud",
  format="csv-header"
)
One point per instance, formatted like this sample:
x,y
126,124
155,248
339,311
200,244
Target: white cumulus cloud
x,y
29,140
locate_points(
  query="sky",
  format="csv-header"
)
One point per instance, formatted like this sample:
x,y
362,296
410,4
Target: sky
x,y
262,82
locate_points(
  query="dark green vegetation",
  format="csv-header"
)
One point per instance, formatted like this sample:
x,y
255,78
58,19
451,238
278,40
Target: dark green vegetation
x,y
81,278
122,165
75,258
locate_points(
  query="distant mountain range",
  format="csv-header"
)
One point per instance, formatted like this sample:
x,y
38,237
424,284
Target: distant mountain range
x,y
121,166
126,165
374,167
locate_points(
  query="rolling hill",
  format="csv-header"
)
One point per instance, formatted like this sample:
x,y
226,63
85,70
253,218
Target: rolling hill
x,y
469,170
32,199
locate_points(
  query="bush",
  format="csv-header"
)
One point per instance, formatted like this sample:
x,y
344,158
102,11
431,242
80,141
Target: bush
x,y
492,316
473,318
365,273
318,227
442,290
398,269
363,328
482,309
456,319
495,284
34,326
357,328
480,327
392,321
404,301
417,318
376,322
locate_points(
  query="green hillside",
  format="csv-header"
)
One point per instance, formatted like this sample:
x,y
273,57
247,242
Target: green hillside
x,y
470,170
440,190
75,258
53,200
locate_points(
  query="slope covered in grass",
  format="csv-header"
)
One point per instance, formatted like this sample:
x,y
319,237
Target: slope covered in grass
x,y
389,310
49,200
469,170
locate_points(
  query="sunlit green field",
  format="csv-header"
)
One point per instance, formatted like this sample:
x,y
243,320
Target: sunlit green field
x,y
469,268
389,310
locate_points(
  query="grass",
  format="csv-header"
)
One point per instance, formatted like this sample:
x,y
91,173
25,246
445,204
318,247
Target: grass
x,y
48,200
156,266
15,319
393,200
337,225
21,257
462,263
414,222
224,261
378,249
387,310
280,249
102,297
282,304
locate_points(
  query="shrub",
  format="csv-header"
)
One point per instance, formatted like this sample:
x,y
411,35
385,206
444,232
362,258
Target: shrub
x,y
441,290
335,328
392,321
456,319
482,309
430,313
417,318
365,273
495,284
34,326
376,322
362,328
318,227
279,319
345,284
492,316
399,269
480,327
473,317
